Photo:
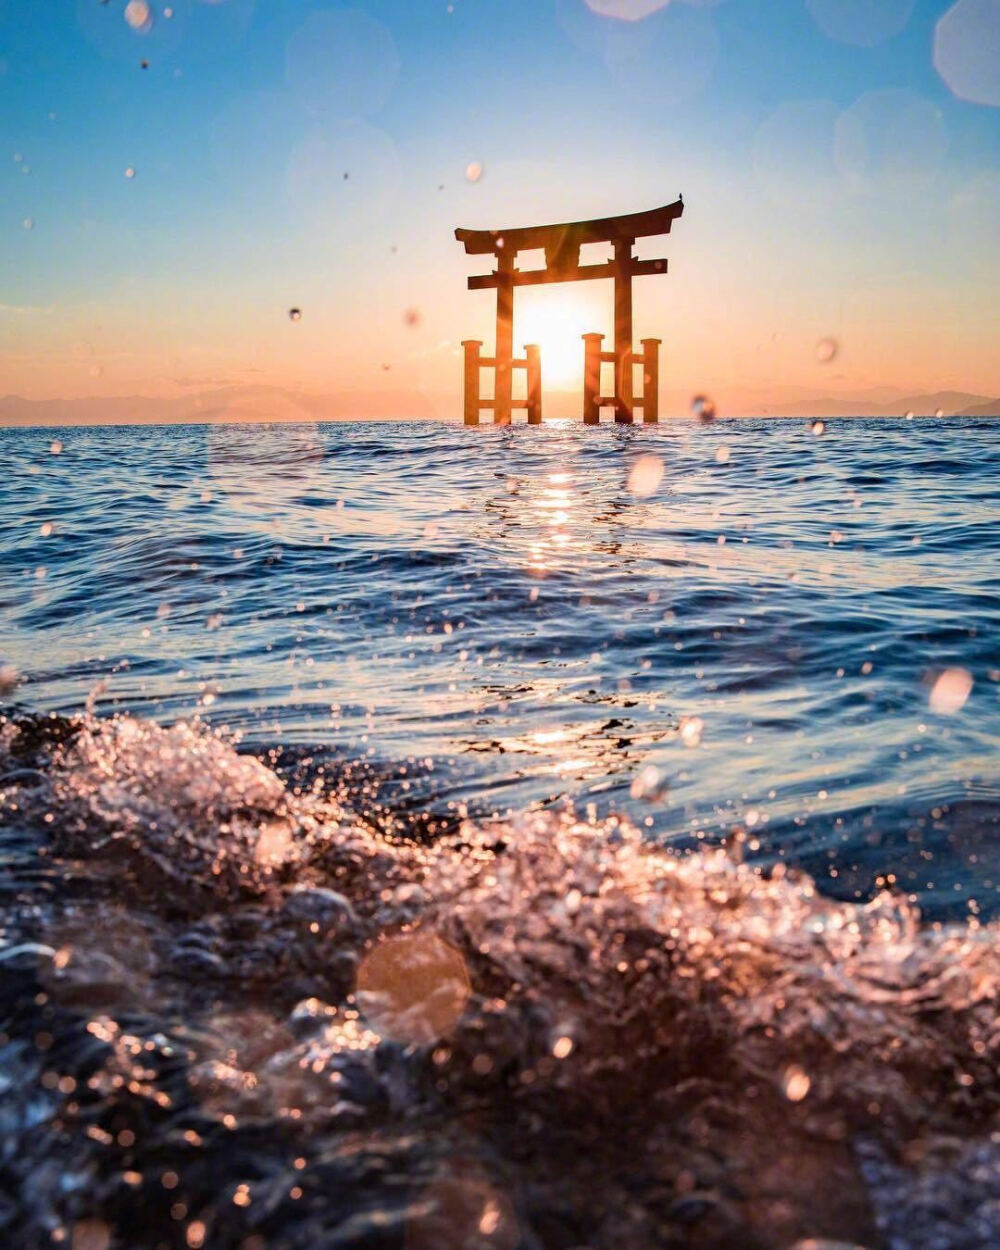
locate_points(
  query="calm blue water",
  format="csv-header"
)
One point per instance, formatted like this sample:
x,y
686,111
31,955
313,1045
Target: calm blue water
x,y
492,621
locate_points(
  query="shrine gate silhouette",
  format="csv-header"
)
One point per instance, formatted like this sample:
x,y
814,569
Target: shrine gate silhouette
x,y
562,245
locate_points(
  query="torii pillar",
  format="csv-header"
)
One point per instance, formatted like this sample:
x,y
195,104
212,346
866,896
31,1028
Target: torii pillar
x,y
623,330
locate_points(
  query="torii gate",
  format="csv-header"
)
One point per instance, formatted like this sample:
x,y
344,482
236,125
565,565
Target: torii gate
x,y
562,245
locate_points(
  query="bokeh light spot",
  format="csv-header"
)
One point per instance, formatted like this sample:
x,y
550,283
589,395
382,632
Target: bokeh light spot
x,y
826,350
645,475
139,16
863,23
626,10
967,50
950,691
703,408
413,987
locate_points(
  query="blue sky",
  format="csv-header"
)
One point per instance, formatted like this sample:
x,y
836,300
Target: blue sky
x,y
831,188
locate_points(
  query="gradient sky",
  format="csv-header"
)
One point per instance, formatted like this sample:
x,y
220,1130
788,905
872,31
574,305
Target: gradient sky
x,y
297,154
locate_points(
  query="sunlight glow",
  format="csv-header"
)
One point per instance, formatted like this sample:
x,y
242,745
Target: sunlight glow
x,y
556,321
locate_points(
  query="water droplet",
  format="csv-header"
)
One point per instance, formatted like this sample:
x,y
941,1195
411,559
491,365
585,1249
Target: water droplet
x,y
645,475
909,416
45,529
413,986
168,12
648,784
474,171
703,408
950,691
295,314
91,1235
795,1083
939,412
411,318
691,729
722,454
818,428
139,16
29,223
826,350
130,172
55,447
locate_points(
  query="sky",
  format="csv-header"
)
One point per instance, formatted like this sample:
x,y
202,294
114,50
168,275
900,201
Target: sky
x,y
174,179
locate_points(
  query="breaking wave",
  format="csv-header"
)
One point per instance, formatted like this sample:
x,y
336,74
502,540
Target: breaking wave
x,y
236,1011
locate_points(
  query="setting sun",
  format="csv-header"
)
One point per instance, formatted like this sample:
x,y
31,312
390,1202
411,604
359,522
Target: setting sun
x,y
557,320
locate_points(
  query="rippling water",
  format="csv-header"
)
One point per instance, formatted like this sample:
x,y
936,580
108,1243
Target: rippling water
x,y
361,960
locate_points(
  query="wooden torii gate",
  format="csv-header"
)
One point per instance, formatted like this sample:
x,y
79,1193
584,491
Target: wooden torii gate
x,y
562,245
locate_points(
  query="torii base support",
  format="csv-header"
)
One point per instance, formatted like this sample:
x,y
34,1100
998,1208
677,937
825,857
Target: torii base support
x,y
475,362
623,402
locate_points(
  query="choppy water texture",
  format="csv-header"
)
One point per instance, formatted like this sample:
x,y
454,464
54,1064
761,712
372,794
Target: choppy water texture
x,y
418,837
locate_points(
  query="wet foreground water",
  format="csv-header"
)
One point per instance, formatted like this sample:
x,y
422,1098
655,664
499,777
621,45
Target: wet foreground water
x,y
417,837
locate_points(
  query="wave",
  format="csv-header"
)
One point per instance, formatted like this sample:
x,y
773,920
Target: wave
x,y
541,1031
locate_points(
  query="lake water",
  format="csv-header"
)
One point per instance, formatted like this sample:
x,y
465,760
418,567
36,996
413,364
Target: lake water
x,y
674,743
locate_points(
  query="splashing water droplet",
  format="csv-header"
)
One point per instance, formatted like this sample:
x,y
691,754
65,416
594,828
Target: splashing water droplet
x,y
818,428
950,691
411,318
130,172
413,986
795,1083
645,475
939,412
295,314
474,171
29,223
691,729
826,350
909,416
139,16
722,454
45,529
563,1047
649,784
703,408
91,1235
55,447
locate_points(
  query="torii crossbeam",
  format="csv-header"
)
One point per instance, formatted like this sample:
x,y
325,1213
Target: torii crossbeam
x,y
562,245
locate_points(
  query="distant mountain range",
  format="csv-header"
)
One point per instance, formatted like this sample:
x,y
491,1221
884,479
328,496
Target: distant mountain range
x,y
274,403
228,403
949,403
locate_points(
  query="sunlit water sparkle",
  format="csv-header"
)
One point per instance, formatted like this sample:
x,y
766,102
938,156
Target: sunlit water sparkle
x,y
339,969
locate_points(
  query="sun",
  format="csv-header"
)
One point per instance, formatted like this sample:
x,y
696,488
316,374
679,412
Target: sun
x,y
557,321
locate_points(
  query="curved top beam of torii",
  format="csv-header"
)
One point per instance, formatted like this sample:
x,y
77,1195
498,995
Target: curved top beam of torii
x,y
572,234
